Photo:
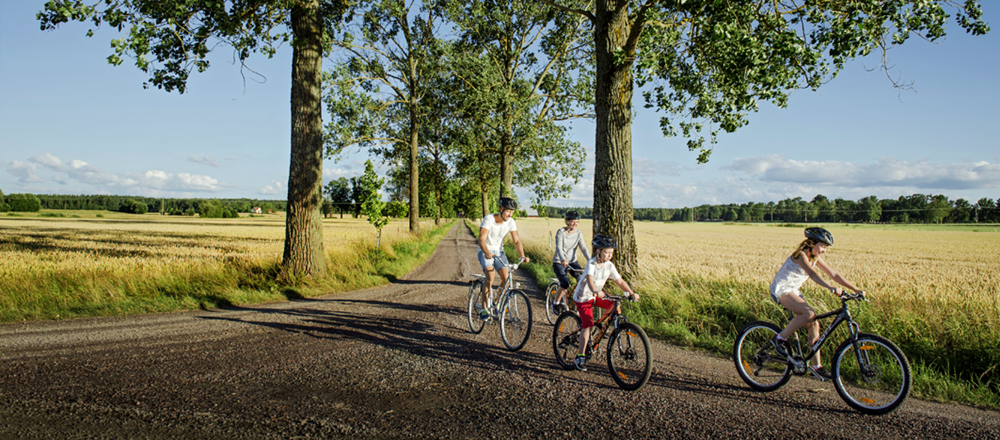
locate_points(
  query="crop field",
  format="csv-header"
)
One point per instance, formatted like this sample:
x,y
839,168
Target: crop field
x,y
131,264
934,290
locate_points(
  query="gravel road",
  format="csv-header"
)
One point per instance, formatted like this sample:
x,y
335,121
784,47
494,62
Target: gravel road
x,y
396,361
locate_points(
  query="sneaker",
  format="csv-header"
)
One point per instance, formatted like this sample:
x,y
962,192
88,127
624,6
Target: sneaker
x,y
780,347
581,363
484,314
821,372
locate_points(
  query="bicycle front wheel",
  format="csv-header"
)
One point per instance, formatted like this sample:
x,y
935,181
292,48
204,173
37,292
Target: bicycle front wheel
x,y
515,321
872,374
629,357
756,362
475,291
566,339
550,296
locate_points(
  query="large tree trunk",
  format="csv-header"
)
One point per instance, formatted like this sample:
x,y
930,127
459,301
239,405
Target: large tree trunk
x,y
506,165
486,204
414,176
613,145
304,222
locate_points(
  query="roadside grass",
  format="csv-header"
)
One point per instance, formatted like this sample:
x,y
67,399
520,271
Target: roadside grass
x,y
952,341
90,269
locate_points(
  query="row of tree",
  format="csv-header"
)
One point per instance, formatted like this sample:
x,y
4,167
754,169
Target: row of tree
x,y
213,208
480,88
916,208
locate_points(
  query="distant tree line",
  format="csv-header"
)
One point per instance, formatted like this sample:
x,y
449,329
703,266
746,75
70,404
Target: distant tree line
x,y
211,208
917,208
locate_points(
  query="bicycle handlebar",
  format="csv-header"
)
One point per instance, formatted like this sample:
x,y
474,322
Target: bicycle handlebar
x,y
854,296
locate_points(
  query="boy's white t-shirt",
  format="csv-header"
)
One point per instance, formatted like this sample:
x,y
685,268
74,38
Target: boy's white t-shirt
x,y
497,231
602,274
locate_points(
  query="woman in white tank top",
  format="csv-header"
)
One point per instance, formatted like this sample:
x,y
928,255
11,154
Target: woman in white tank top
x,y
798,268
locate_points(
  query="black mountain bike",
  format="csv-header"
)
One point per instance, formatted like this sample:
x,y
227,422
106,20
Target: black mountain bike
x,y
870,372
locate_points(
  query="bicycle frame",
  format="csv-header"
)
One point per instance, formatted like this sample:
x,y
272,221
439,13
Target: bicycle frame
x,y
615,314
505,290
841,315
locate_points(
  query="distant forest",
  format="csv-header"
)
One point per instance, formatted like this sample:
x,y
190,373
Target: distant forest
x,y
917,208
154,204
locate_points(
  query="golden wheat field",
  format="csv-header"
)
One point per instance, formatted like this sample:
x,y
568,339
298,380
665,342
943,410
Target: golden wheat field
x,y
918,268
35,248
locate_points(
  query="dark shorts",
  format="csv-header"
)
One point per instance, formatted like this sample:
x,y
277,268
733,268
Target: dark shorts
x,y
560,271
586,310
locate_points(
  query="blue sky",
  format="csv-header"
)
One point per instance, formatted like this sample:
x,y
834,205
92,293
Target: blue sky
x,y
72,124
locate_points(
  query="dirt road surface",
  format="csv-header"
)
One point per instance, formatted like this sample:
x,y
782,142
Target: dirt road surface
x,y
396,361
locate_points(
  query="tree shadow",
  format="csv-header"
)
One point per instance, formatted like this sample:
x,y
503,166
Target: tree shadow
x,y
415,336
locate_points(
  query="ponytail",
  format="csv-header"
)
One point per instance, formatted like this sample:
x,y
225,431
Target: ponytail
x,y
806,245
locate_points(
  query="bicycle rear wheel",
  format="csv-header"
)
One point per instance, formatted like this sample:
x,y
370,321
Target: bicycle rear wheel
x,y
756,362
475,291
629,357
566,339
550,295
515,321
871,375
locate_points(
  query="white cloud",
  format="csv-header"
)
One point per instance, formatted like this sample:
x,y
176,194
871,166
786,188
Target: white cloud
x,y
338,172
77,172
885,172
25,172
50,161
272,189
204,160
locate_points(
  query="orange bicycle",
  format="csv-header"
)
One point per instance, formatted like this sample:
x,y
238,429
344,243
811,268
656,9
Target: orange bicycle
x,y
629,356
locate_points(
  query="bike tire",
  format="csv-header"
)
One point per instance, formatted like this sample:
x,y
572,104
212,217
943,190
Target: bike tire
x,y
630,359
566,339
475,324
884,382
755,359
550,295
515,321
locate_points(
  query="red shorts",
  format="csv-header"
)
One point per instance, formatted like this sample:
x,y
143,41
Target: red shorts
x,y
586,310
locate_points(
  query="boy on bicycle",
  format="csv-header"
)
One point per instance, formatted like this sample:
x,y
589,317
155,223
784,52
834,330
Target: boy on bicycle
x,y
588,291
491,255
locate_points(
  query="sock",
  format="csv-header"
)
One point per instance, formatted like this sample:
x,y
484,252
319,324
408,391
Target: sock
x,y
778,337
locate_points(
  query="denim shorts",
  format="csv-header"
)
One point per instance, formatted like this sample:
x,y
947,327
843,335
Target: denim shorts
x,y
777,298
499,260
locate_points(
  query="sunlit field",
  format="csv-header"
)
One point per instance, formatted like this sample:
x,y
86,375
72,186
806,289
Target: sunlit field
x,y
143,261
934,290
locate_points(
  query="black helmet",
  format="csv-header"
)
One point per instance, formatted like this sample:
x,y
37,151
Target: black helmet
x,y
572,215
602,241
508,203
820,235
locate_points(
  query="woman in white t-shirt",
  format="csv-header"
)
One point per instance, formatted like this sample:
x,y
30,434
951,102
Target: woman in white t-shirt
x,y
491,256
588,292
798,268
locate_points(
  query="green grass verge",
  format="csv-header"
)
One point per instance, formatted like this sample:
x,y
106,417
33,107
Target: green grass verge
x,y
706,314
237,282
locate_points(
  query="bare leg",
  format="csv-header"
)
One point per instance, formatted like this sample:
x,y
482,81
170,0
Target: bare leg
x,y
804,313
503,277
490,273
584,339
813,337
